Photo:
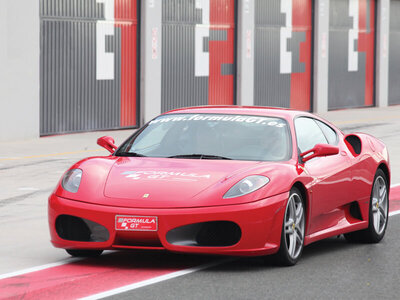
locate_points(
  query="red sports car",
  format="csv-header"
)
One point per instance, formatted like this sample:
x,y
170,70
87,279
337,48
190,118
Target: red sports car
x,y
246,181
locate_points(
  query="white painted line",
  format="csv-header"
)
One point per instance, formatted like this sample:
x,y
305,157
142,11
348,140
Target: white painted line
x,y
155,280
394,185
28,189
46,266
39,268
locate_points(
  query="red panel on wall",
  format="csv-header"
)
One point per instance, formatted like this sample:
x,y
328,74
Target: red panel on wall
x,y
126,20
222,61
300,85
366,41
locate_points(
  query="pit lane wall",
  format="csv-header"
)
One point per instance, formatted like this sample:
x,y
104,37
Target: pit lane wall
x,y
111,64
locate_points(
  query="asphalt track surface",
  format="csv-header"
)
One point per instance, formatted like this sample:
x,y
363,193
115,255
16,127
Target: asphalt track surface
x,y
31,269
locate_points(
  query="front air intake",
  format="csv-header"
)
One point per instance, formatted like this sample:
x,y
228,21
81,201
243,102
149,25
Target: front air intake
x,y
206,234
73,228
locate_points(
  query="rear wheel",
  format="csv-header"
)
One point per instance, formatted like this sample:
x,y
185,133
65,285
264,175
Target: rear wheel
x,y
84,253
292,236
378,213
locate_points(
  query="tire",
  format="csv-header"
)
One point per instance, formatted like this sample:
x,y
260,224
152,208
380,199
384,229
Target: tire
x,y
293,230
84,253
378,213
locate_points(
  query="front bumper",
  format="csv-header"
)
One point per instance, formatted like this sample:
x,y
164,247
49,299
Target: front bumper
x,y
260,223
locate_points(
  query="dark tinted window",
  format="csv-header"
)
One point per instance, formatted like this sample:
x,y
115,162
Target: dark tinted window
x,y
308,134
330,134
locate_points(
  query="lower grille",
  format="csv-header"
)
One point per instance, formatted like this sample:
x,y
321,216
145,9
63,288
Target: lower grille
x,y
206,234
73,228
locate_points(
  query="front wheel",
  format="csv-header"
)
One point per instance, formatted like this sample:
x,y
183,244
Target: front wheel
x,y
292,236
84,253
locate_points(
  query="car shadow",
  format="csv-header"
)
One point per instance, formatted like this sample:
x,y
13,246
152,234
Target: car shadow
x,y
150,259
164,260
330,246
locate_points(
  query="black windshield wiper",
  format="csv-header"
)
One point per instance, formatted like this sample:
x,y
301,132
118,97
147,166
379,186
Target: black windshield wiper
x,y
131,154
199,156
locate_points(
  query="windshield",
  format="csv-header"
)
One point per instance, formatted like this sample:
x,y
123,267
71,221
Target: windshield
x,y
212,136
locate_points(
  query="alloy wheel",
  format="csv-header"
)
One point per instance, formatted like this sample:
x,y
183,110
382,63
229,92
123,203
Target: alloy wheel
x,y
379,205
294,226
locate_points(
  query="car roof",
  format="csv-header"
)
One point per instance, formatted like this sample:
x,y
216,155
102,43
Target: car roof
x,y
245,110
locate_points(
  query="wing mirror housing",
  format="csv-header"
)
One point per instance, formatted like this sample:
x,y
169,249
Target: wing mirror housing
x,y
319,150
107,142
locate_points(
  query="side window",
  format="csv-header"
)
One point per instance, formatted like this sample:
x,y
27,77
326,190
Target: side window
x,y
330,134
308,134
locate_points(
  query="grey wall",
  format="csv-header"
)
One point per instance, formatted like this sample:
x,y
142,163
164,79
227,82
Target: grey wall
x,y
72,98
346,88
351,82
150,53
245,56
180,86
271,88
321,54
382,52
88,65
282,53
198,64
19,70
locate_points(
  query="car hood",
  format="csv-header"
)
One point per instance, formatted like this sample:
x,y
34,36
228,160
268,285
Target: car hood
x,y
145,182
161,182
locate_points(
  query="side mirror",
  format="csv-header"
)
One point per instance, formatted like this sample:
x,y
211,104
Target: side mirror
x,y
318,151
107,142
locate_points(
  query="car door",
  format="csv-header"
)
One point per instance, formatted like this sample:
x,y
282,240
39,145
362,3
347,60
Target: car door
x,y
331,175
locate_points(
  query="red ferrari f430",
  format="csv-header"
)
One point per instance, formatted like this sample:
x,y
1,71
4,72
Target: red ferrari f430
x,y
242,181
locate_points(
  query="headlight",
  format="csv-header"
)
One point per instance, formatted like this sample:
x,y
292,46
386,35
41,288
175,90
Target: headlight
x,y
72,180
246,186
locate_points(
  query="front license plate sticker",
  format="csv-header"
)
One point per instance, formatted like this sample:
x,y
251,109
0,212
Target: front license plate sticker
x,y
136,223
